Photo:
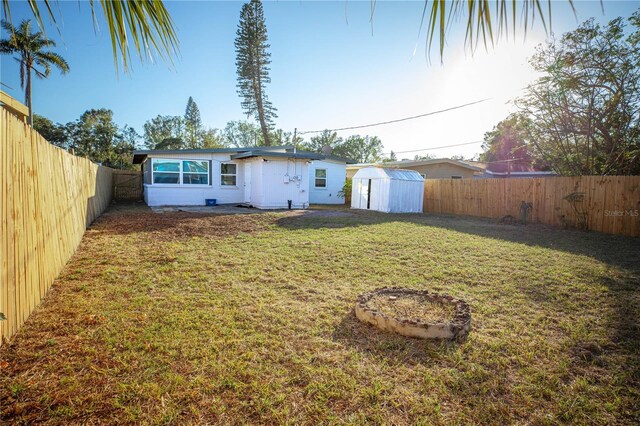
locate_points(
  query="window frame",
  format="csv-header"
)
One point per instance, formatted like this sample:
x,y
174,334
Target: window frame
x,y
181,172
325,178
235,175
207,173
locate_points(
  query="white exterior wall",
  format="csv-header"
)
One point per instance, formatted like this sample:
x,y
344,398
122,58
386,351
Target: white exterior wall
x,y
195,195
272,192
336,176
265,187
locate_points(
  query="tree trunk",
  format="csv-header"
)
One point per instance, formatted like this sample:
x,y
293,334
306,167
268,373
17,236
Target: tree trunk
x,y
258,93
28,97
263,123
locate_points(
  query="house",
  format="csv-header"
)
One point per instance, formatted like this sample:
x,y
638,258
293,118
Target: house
x,y
263,177
388,190
440,168
509,169
326,179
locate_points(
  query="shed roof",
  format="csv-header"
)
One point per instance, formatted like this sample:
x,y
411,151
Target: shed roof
x,y
386,173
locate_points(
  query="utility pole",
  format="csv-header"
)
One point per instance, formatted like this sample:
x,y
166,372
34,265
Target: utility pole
x,y
295,132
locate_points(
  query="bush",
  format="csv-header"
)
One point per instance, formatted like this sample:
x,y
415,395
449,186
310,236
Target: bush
x,y
345,192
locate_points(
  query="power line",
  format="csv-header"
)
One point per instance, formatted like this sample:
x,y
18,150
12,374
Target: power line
x,y
396,120
435,147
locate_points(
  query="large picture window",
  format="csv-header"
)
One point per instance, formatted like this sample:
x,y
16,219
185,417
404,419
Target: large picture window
x,y
176,172
195,172
321,178
228,174
166,171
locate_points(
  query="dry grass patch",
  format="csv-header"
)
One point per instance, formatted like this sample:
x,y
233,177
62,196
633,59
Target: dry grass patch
x,y
417,307
191,319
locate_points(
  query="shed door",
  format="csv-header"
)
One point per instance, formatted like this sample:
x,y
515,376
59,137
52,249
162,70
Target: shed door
x,y
247,182
364,194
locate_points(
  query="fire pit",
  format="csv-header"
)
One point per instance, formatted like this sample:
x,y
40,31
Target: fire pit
x,y
415,313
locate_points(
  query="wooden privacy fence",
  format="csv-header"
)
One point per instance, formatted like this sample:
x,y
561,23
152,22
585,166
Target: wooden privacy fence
x,y
49,197
127,185
608,204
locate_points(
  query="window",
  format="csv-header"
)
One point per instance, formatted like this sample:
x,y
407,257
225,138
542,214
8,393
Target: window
x,y
195,172
175,172
228,174
321,178
166,171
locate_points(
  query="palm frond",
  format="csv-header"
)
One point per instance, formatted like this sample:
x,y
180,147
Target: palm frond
x,y
482,22
52,58
145,24
42,74
6,47
149,24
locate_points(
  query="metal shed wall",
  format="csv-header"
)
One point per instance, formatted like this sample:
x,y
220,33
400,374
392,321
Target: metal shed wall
x,y
391,190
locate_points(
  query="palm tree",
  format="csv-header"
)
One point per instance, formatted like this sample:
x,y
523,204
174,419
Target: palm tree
x,y
145,24
29,48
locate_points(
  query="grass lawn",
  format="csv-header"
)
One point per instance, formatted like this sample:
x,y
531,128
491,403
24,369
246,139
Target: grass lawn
x,y
183,318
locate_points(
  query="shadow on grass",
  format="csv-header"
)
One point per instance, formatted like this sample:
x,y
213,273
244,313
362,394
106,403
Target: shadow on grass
x,y
392,347
611,249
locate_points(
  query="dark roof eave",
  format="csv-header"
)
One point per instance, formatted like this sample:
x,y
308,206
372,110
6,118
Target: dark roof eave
x,y
140,154
252,154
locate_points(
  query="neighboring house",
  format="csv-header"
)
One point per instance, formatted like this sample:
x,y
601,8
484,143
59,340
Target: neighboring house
x,y
440,168
509,169
262,177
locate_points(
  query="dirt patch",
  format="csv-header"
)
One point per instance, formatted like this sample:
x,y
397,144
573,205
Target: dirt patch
x,y
180,225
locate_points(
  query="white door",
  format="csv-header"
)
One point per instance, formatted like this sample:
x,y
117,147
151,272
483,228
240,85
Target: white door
x,y
247,182
363,193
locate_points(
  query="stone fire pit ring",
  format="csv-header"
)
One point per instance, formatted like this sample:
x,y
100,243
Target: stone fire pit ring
x,y
455,329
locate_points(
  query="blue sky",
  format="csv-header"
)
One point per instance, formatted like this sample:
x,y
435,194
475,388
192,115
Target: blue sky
x,y
328,70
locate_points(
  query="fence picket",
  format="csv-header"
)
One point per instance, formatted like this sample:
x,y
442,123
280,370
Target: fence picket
x,y
49,197
611,202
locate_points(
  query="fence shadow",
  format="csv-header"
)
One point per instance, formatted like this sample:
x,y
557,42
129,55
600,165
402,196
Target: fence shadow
x,y
615,250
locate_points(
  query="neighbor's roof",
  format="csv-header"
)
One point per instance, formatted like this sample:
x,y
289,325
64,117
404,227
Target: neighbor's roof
x,y
416,163
510,166
373,172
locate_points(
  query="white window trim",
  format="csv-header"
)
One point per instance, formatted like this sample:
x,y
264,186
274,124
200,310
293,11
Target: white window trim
x,y
180,173
222,185
326,179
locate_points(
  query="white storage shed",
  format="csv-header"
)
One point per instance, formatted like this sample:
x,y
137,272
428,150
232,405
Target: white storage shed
x,y
387,190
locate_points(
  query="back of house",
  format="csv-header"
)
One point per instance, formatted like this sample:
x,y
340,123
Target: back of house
x,y
263,177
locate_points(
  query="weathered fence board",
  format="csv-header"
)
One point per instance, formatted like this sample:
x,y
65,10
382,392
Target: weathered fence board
x,y
127,185
609,204
49,197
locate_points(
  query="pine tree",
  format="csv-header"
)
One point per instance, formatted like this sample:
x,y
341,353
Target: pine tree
x,y
192,124
252,62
